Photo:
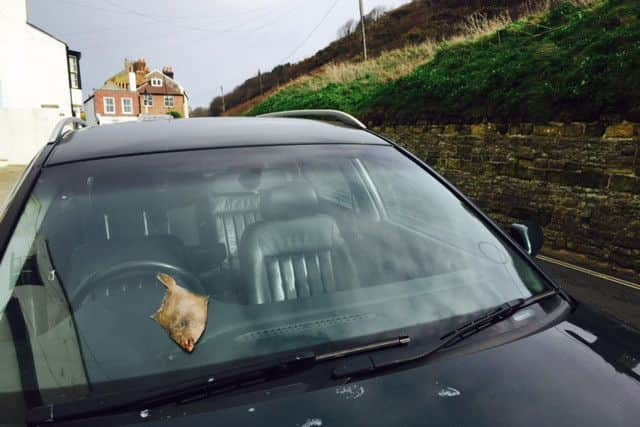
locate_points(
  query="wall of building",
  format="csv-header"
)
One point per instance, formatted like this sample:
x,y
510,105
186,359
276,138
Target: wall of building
x,y
580,181
185,107
76,100
159,108
23,132
90,112
34,77
118,95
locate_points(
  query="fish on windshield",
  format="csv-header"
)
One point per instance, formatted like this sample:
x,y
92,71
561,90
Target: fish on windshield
x,y
182,313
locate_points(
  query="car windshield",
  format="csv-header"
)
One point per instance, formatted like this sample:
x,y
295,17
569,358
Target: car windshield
x,y
294,247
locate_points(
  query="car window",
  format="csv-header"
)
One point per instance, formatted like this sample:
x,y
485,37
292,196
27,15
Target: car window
x,y
402,202
330,182
291,248
415,204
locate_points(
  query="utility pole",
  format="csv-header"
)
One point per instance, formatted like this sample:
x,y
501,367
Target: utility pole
x,y
260,81
364,36
222,94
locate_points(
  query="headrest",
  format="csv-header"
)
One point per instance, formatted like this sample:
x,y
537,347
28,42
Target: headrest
x,y
272,178
226,184
292,200
248,181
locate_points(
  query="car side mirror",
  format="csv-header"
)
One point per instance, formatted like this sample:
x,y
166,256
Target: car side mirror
x,y
529,236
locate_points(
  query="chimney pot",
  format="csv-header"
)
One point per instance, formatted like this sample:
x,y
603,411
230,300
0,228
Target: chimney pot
x,y
167,71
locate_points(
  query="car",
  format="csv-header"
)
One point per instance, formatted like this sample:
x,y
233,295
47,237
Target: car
x,y
346,283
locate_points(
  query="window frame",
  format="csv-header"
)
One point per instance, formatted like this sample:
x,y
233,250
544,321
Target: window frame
x,y
124,110
74,72
146,97
171,104
156,82
104,102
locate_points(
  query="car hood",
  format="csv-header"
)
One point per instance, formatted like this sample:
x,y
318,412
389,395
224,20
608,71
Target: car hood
x,y
583,371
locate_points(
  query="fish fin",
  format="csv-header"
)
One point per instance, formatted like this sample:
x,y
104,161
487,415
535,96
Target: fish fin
x,y
168,281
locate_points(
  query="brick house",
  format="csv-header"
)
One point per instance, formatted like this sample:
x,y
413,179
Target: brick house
x,y
161,94
135,91
113,106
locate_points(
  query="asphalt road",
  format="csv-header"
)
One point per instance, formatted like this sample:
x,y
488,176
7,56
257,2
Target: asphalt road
x,y
619,301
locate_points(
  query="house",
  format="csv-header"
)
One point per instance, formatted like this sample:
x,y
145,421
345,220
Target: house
x,y
136,91
40,84
117,100
161,94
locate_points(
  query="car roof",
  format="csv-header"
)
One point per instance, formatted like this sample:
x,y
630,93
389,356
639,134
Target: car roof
x,y
132,138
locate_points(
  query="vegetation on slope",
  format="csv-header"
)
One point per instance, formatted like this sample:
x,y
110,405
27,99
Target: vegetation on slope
x,y
410,24
573,63
345,86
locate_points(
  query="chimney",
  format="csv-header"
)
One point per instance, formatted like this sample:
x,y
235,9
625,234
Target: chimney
x,y
132,81
168,71
139,66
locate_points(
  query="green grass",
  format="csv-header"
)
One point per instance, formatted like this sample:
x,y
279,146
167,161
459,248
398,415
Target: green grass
x,y
569,64
347,85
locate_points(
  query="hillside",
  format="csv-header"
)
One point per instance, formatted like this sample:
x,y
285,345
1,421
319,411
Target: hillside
x,y
575,62
411,24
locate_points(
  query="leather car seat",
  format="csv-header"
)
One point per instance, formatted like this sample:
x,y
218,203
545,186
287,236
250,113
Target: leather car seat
x,y
235,204
295,252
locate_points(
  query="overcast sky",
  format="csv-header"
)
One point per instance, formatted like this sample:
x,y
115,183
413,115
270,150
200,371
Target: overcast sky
x,y
207,42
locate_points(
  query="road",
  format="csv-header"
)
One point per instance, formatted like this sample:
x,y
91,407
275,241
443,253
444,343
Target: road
x,y
622,302
8,176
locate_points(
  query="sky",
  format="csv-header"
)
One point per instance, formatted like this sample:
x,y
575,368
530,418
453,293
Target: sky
x,y
208,43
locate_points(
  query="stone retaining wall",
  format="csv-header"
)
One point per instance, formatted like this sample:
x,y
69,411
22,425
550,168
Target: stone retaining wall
x,y
580,181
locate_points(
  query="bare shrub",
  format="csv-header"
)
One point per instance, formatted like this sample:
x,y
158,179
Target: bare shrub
x,y
480,24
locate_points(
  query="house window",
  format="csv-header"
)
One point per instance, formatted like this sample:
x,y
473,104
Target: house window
x,y
156,82
74,72
109,105
168,101
147,100
127,106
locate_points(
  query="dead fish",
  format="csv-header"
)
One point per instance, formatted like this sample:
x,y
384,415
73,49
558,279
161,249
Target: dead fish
x,y
182,313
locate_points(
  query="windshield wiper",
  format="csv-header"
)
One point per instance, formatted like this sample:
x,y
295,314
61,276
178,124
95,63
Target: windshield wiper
x,y
374,362
218,383
229,381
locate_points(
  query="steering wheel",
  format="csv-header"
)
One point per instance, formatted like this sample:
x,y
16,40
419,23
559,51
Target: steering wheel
x,y
98,280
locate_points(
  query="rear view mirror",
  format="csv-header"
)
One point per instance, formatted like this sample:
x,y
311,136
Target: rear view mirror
x,y
529,236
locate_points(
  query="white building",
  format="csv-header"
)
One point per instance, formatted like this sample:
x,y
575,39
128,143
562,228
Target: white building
x,y
37,72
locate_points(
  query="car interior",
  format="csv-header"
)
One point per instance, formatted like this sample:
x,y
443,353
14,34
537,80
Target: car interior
x,y
274,241
249,237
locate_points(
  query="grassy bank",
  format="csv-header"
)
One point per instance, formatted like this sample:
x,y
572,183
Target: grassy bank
x,y
576,62
348,86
